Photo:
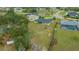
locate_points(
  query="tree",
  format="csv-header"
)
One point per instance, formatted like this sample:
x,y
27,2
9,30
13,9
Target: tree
x,y
18,29
53,40
30,10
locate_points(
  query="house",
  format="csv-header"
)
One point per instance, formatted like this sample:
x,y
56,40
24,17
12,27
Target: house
x,y
45,21
69,25
32,17
72,14
18,10
4,9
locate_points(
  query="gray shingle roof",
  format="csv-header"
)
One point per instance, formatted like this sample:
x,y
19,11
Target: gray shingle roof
x,y
44,20
65,22
72,14
71,25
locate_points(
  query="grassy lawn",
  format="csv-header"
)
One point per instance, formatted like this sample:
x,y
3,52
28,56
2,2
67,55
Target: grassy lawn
x,y
48,17
62,12
7,48
40,34
67,40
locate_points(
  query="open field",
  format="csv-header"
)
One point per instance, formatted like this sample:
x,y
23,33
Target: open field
x,y
67,40
40,34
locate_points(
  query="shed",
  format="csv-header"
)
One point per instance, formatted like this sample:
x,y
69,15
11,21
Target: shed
x,y
9,42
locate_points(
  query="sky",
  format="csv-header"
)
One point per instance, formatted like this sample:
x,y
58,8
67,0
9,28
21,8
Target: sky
x,y
38,3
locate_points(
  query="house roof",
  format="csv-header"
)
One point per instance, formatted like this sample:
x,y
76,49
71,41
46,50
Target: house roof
x,y
66,22
72,14
31,14
44,20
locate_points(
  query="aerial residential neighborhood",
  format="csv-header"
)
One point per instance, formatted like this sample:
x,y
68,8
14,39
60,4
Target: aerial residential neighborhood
x,y
39,29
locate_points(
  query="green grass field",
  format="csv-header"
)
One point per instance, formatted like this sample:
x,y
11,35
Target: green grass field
x,y
66,40
48,17
39,34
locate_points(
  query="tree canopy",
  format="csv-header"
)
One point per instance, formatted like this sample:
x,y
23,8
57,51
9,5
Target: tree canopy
x,y
18,28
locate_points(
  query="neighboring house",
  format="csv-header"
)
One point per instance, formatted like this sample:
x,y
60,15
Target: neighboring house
x,y
4,8
32,17
69,25
18,10
72,14
42,20
58,17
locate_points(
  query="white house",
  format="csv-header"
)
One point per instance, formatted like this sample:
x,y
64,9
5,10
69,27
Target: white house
x,y
18,10
4,8
32,17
